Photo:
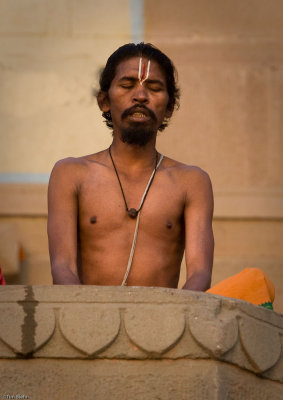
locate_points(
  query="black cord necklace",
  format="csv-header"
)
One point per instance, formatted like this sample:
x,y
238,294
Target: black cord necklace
x,y
132,212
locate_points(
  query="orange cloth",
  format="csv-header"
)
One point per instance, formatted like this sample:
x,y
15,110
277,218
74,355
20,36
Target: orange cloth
x,y
251,285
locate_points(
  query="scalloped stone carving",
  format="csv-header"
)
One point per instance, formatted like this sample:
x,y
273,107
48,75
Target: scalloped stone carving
x,y
17,331
90,328
11,321
216,335
153,328
256,338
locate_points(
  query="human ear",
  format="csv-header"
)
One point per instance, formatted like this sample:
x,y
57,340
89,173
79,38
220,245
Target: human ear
x,y
102,101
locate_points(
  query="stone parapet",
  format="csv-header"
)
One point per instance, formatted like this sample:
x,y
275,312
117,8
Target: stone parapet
x,y
133,342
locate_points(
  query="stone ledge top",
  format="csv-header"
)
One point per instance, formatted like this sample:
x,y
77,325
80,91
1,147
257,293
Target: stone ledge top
x,y
130,295
87,322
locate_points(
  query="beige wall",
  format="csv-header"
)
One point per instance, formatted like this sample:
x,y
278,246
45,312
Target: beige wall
x,y
51,52
229,58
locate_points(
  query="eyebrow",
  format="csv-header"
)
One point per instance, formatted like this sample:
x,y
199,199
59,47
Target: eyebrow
x,y
132,79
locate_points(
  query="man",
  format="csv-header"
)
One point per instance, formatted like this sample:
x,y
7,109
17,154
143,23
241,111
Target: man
x,y
125,215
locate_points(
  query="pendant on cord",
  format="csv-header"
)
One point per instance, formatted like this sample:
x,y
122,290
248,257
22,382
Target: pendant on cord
x,y
132,212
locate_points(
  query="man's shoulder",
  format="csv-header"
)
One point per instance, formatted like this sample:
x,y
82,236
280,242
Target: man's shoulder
x,y
187,171
77,163
194,182
68,162
67,167
75,169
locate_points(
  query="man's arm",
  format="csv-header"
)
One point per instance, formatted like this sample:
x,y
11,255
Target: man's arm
x,y
62,223
199,234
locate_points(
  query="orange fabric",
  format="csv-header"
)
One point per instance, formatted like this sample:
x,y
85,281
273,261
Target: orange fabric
x,y
251,285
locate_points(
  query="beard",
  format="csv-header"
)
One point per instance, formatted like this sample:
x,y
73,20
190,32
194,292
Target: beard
x,y
137,133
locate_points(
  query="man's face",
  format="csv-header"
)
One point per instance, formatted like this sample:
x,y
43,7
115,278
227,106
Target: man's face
x,y
138,106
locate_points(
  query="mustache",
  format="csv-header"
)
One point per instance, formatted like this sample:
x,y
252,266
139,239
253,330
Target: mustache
x,y
137,108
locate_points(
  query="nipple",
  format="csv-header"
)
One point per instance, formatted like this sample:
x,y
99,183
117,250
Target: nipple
x,y
169,225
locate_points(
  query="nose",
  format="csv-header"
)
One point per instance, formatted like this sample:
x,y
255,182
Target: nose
x,y
140,94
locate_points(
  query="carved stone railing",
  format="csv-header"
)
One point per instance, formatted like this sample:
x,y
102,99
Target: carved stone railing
x,y
136,343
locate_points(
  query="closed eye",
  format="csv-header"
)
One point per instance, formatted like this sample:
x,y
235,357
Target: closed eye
x,y
155,85
127,85
154,88
127,82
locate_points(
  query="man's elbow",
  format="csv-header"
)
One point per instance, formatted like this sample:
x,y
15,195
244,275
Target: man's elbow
x,y
62,275
200,281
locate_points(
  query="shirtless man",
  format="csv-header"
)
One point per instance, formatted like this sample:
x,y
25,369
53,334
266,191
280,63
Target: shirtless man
x,y
100,231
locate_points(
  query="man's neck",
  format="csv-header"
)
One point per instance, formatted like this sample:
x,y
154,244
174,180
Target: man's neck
x,y
134,157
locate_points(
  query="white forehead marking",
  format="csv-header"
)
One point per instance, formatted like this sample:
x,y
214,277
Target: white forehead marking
x,y
142,76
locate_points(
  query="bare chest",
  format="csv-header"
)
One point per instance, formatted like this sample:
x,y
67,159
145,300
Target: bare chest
x,y
102,208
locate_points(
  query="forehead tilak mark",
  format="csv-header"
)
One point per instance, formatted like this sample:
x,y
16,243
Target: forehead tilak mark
x,y
142,75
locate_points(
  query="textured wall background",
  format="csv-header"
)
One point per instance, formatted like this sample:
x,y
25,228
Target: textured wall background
x,y
230,62
229,59
51,53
